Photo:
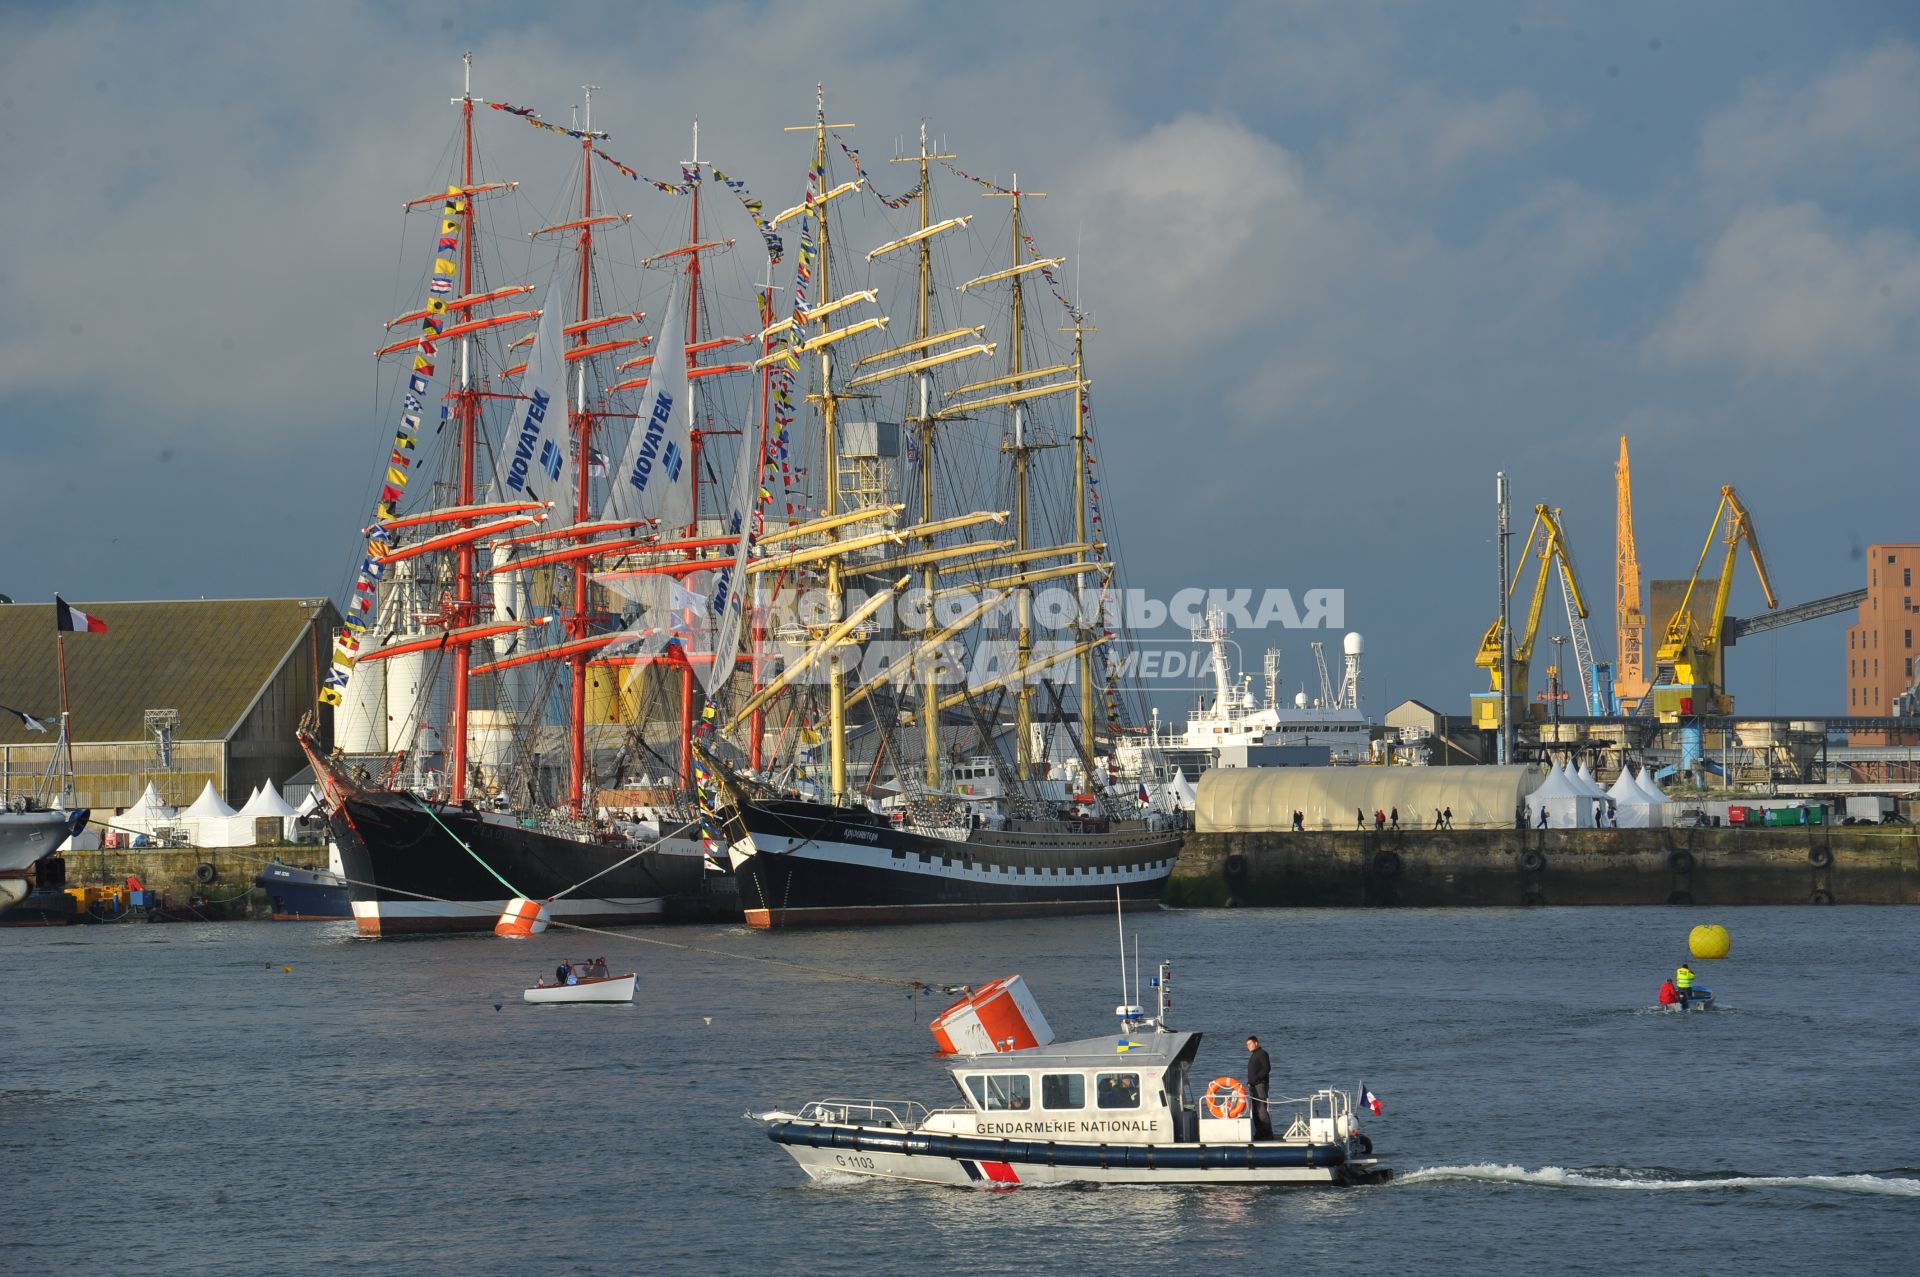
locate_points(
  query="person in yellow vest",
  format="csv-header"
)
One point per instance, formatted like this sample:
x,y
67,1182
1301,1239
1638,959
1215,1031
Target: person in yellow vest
x,y
1683,981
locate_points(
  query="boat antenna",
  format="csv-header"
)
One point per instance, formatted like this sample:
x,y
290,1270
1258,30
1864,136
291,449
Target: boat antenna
x,y
1136,970
1120,921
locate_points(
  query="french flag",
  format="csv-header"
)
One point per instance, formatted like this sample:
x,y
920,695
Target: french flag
x,y
72,620
1370,1100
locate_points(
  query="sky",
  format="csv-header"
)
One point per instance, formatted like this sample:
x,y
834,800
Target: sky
x,y
1348,260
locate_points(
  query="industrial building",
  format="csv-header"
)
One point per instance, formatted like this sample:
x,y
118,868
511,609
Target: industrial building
x,y
174,693
1880,649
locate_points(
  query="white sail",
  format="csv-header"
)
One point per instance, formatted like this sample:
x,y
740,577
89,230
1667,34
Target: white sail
x,y
655,478
532,462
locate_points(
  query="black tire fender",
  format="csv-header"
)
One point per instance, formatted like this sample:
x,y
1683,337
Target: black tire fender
x,y
1235,866
1681,861
1386,863
206,875
1532,861
1821,896
1819,857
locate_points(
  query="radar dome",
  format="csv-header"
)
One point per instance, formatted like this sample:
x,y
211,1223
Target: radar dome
x,y
1354,644
1299,700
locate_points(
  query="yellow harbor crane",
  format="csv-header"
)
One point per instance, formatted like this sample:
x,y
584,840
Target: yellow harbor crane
x,y
1690,678
1554,550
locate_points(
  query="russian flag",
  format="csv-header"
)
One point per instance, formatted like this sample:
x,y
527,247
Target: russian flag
x,y
1143,793
73,620
1370,1100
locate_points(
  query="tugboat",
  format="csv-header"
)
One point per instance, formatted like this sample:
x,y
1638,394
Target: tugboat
x,y
1105,1110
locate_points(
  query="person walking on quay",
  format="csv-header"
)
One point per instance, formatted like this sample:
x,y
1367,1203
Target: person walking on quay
x,y
1439,821
1259,1069
1448,814
1299,822
1379,820
1543,816
1393,818
1359,818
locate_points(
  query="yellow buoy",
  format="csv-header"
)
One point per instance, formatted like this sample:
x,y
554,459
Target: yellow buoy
x,y
1709,942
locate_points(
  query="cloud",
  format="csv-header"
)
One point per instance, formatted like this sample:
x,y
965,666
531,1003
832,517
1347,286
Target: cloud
x,y
1425,135
1859,120
1787,288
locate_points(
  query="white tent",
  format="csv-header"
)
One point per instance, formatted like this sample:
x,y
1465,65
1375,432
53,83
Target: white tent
x,y
147,813
1630,802
1565,806
267,802
1651,787
1583,781
1181,790
210,820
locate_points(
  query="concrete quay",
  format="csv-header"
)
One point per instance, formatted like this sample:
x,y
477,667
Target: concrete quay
x,y
1418,868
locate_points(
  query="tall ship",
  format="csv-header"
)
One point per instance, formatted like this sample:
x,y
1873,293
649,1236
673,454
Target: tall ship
x,y
947,727
34,823
513,702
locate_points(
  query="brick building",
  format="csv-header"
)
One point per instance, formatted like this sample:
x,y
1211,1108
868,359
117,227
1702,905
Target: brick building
x,y
1880,646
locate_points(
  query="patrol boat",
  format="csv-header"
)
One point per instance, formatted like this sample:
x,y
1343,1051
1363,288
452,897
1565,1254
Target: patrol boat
x,y
1105,1110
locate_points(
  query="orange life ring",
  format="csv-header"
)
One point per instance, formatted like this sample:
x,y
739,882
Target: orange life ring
x,y
1226,1097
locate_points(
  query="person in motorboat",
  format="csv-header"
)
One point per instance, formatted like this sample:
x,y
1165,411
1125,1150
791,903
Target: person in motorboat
x,y
1669,995
1259,1073
1683,982
560,973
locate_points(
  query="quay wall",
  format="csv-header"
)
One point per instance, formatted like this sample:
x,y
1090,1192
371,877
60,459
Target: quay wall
x,y
174,872
1491,867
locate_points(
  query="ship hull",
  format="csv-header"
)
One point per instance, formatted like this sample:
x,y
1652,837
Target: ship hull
x,y
304,895
803,864
409,870
28,836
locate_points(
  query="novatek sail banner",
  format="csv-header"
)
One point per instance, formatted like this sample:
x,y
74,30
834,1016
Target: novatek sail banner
x,y
533,465
724,595
654,479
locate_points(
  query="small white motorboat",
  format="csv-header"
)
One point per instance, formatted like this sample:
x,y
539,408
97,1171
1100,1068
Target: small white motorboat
x,y
584,982
1107,1110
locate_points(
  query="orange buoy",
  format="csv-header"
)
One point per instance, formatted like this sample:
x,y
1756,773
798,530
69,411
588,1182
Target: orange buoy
x,y
1226,1097
522,919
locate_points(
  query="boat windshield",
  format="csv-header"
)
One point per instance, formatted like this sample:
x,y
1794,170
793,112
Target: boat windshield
x,y
995,1092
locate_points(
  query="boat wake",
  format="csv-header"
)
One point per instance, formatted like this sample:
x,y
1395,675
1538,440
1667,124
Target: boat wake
x,y
1657,1180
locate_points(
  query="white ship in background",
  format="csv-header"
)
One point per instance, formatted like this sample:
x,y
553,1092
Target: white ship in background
x,y
1234,728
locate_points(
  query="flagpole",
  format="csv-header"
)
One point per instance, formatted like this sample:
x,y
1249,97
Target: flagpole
x,y
66,736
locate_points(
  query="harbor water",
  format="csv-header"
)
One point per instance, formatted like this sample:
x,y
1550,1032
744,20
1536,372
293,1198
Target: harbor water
x,y
287,1098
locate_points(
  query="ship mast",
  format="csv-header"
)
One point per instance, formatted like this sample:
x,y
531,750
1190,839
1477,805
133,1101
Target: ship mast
x,y
1079,329
924,423
829,415
466,411
1022,475
582,421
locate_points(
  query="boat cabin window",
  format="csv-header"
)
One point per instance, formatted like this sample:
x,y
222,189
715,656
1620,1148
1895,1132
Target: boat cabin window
x,y
1063,1091
1118,1090
996,1092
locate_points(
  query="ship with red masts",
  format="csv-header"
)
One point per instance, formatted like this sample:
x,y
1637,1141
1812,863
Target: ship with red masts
x,y
507,723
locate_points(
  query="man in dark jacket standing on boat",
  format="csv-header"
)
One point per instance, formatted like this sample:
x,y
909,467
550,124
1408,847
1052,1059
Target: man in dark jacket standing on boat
x,y
1258,1069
